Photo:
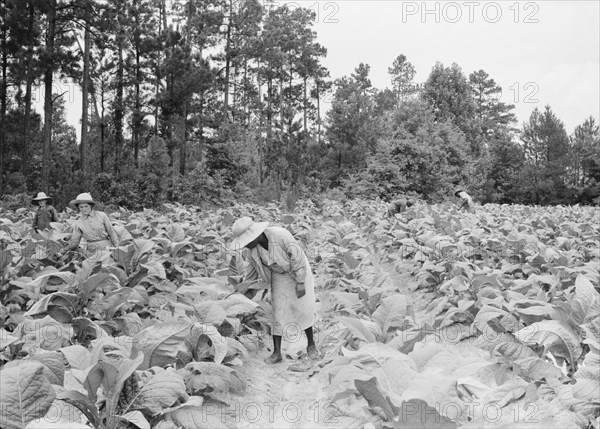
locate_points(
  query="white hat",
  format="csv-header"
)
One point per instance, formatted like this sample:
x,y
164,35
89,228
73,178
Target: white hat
x,y
86,197
245,230
40,196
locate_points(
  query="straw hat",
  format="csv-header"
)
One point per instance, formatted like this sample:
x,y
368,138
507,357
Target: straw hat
x,y
86,197
244,230
40,196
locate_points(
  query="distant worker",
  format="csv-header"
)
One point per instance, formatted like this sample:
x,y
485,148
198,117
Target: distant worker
x,y
45,213
93,225
399,206
467,204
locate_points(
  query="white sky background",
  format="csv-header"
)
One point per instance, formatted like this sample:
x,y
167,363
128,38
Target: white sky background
x,y
559,55
550,55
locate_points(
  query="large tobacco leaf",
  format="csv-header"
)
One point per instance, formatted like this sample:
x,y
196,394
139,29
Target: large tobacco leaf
x,y
359,329
161,391
496,319
392,312
556,337
163,344
585,302
375,398
25,394
206,377
191,415
61,306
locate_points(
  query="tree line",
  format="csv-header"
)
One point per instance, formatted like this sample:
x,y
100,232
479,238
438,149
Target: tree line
x,y
208,101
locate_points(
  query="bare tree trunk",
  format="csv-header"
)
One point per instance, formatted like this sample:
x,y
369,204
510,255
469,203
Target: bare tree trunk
x,y
318,113
183,134
3,112
137,114
83,149
228,60
28,82
118,110
48,74
244,95
305,103
102,127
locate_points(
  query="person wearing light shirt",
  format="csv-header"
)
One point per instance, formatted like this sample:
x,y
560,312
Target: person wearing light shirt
x,y
94,226
276,258
467,202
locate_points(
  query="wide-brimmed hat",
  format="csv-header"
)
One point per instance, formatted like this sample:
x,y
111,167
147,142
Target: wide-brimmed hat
x,y
458,191
40,196
244,230
86,197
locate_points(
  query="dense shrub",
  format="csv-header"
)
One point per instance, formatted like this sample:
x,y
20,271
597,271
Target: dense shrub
x,y
15,201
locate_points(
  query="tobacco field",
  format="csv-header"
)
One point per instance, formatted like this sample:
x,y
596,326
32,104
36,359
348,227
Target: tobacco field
x,y
433,318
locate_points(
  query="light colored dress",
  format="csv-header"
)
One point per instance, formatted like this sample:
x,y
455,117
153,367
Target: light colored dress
x,y
97,231
282,266
468,205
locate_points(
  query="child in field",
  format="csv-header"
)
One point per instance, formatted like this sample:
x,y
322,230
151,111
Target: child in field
x,y
45,212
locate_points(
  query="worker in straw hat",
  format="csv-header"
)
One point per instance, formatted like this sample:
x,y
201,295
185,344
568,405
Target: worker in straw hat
x,y
277,258
45,213
93,225
467,203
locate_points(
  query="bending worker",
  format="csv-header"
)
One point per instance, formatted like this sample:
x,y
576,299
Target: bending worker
x,y
277,258
399,206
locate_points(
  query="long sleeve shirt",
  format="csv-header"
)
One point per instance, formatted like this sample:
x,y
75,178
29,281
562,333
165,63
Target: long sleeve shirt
x,y
43,216
467,201
284,256
94,227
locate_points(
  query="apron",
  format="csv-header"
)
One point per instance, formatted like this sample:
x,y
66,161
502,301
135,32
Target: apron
x,y
291,315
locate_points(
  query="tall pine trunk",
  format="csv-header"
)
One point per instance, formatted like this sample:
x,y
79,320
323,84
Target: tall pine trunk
x,y
28,82
318,113
102,127
118,109
48,74
3,111
183,136
85,89
137,114
228,61
305,103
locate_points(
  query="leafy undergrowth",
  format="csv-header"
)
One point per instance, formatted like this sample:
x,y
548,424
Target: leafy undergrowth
x,y
430,319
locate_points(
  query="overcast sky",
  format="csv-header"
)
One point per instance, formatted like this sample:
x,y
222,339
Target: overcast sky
x,y
543,52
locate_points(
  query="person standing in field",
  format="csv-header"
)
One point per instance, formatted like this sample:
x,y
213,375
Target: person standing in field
x,y
277,258
45,213
93,225
467,204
